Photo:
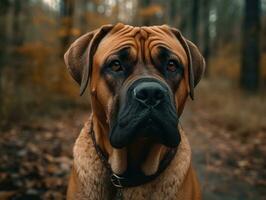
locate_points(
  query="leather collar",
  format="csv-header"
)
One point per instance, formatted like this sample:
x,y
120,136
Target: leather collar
x,y
130,179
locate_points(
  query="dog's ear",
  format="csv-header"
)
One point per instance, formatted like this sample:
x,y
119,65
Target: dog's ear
x,y
195,59
79,56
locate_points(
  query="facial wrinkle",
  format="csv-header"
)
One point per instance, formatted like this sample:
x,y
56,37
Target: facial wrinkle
x,y
154,39
126,29
137,38
161,32
144,51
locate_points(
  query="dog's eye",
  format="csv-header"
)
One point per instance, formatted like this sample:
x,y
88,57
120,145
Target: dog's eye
x,y
172,66
116,66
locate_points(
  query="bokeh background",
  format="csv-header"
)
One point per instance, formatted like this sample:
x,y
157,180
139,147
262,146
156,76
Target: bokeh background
x,y
41,112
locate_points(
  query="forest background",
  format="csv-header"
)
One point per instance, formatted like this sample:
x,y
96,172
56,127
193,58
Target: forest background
x,y
41,112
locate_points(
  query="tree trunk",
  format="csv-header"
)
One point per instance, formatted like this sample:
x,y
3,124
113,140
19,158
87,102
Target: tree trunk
x,y
184,17
17,38
250,48
67,15
206,34
145,4
4,6
195,21
172,12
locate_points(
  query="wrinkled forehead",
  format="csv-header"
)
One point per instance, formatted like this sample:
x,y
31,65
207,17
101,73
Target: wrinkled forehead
x,y
139,39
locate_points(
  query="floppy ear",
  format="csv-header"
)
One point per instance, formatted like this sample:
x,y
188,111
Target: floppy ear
x,y
79,56
196,61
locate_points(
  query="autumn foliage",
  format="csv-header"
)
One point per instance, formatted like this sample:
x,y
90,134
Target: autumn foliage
x,y
41,112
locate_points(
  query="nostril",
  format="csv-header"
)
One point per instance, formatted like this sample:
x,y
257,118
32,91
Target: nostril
x,y
141,94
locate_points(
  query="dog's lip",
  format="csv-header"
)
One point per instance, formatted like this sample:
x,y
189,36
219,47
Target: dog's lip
x,y
146,133
144,123
124,120
147,118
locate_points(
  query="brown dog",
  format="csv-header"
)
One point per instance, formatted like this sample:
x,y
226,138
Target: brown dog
x,y
133,147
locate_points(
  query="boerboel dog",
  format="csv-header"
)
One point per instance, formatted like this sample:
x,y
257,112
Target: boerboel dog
x,y
133,147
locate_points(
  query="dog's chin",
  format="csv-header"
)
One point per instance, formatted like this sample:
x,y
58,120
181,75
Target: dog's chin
x,y
145,126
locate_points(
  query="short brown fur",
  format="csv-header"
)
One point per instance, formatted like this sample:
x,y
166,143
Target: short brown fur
x,y
89,178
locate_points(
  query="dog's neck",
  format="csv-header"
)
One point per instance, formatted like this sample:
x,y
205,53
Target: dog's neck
x,y
93,175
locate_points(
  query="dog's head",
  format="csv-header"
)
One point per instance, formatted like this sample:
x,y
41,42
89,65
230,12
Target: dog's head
x,y
139,79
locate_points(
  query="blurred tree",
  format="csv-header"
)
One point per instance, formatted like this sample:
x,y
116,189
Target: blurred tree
x,y
17,26
183,17
116,10
251,46
206,33
4,6
195,21
82,8
18,38
227,15
173,12
144,4
151,12
67,15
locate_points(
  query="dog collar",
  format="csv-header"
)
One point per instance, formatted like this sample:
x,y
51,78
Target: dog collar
x,y
130,179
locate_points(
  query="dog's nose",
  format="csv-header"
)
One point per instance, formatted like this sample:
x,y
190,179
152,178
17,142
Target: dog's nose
x,y
149,93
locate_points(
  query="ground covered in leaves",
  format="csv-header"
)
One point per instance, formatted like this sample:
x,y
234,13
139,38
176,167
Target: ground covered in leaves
x,y
36,158
228,155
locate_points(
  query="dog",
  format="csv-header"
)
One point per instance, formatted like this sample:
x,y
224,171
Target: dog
x,y
133,146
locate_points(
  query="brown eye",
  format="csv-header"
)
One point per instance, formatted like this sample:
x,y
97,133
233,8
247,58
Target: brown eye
x,y
116,66
172,66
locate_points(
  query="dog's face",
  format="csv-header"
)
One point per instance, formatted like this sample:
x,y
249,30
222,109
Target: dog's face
x,y
140,78
141,71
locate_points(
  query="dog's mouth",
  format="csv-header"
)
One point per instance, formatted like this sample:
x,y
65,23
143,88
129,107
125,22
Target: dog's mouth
x,y
149,116
148,124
